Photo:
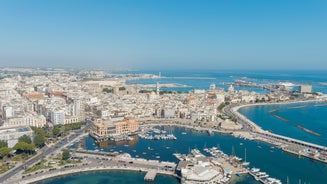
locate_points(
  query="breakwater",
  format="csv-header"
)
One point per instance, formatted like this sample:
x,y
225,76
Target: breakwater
x,y
273,113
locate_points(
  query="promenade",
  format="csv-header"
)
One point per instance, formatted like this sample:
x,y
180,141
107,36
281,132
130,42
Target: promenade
x,y
92,163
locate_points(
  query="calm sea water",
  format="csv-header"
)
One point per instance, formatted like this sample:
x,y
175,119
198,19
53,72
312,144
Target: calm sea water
x,y
203,79
311,116
113,177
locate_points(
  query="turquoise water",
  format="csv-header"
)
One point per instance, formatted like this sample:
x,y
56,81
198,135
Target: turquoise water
x,y
271,160
113,177
203,79
311,117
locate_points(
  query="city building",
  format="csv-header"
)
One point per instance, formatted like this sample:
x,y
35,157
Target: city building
x,y
11,135
26,120
57,117
212,87
305,89
7,112
110,128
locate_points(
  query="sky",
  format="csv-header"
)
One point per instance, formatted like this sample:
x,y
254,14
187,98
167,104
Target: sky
x,y
164,34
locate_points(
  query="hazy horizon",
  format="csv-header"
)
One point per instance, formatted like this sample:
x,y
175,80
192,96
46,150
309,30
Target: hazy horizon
x,y
165,35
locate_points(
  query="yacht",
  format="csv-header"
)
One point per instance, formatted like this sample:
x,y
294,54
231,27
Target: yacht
x,y
255,170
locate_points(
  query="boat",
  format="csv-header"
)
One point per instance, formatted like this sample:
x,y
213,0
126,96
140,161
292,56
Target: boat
x,y
157,156
178,156
184,133
255,170
246,163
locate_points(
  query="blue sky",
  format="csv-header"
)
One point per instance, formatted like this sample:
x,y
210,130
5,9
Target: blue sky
x,y
164,34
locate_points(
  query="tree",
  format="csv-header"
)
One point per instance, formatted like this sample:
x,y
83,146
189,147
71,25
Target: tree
x,y
39,137
65,155
3,144
106,90
56,131
24,147
4,151
221,106
25,139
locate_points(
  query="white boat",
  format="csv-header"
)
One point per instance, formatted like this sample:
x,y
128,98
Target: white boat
x,y
255,170
261,174
246,163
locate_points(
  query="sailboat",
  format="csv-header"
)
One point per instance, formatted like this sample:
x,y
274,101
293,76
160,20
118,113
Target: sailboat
x,y
245,163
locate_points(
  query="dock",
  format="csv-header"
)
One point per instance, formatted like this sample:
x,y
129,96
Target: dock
x,y
150,175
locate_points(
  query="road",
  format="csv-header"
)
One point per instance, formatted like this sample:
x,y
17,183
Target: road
x,y
94,163
42,153
228,111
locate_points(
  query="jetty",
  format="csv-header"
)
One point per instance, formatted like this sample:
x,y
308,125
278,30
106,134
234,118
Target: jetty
x,y
299,107
281,118
307,130
150,175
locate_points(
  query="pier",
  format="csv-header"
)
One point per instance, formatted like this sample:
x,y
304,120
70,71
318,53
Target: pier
x,y
150,175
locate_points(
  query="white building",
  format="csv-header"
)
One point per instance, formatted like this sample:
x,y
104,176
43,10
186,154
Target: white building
x,y
11,135
305,89
169,113
57,117
212,87
7,112
26,120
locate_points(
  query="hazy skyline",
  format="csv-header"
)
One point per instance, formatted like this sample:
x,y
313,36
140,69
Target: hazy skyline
x,y
164,34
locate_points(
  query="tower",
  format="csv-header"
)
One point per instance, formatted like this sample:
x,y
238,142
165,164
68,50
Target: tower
x,y
158,89
212,87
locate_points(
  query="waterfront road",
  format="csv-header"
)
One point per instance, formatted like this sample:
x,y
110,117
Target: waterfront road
x,y
93,163
44,152
229,112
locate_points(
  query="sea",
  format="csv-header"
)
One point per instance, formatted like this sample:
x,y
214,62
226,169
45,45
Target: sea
x,y
269,159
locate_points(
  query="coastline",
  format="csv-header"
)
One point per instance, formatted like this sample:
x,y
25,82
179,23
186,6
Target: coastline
x,y
95,170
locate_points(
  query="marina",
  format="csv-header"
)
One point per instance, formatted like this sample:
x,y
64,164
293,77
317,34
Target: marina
x,y
152,133
255,156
